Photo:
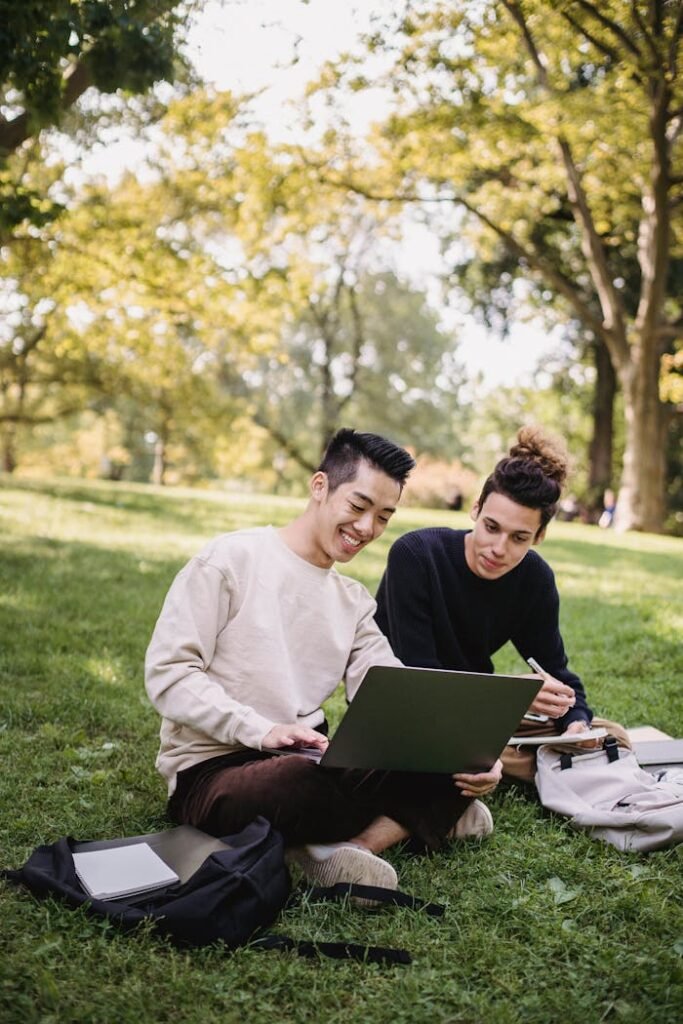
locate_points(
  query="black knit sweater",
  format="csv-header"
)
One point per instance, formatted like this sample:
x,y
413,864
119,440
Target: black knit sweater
x,y
437,613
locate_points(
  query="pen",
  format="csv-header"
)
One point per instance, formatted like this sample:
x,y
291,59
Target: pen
x,y
537,668
545,676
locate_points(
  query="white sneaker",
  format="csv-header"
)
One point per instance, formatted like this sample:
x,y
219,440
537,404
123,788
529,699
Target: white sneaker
x,y
329,864
476,821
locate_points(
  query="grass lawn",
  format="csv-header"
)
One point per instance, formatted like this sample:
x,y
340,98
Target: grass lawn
x,y
542,924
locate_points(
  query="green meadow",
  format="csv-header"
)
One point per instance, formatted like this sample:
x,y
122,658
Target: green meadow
x,y
542,924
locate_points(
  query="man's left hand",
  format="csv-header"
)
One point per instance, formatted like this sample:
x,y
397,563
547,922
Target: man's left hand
x,y
480,783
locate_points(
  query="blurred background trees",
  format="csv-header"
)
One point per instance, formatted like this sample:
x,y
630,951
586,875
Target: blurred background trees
x,y
219,311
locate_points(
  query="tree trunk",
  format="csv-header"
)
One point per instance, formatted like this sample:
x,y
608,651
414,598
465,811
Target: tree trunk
x,y
9,450
159,467
640,504
600,451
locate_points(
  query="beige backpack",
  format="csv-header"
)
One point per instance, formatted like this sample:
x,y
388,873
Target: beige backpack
x,y
607,793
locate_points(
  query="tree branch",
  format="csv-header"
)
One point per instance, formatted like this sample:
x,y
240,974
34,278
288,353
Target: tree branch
x,y
358,339
675,42
563,285
591,244
646,34
12,133
31,420
599,44
594,12
285,443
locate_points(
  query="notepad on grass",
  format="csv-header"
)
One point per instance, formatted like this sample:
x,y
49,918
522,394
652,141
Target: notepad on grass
x,y
122,871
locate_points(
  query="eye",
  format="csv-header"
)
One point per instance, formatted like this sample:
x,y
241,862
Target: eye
x,y
356,508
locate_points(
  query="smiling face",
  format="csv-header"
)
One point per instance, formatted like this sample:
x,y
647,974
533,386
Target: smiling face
x,y
348,518
503,533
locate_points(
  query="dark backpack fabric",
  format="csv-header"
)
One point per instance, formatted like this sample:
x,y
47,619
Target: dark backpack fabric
x,y
235,893
234,897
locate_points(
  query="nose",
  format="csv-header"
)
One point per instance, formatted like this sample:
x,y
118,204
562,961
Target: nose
x,y
499,545
365,524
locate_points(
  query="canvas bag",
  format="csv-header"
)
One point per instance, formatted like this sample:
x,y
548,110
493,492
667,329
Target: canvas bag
x,y
234,896
608,794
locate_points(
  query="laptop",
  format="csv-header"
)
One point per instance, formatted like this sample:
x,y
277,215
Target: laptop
x,y
426,720
184,848
655,755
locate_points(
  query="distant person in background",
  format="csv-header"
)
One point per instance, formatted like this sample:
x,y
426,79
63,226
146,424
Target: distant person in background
x,y
569,509
451,598
609,508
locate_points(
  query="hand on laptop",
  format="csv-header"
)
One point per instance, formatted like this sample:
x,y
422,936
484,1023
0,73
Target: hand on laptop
x,y
294,736
481,783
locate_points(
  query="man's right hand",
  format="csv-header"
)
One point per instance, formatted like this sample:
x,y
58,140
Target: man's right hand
x,y
554,699
294,736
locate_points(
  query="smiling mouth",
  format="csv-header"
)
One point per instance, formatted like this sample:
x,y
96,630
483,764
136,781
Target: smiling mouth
x,y
351,541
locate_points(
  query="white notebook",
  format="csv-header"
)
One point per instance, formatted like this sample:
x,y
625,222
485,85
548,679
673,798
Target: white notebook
x,y
556,737
122,871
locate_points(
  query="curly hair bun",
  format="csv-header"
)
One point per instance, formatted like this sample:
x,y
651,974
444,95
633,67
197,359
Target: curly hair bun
x,y
549,452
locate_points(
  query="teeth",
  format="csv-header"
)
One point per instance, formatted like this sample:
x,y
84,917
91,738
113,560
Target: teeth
x,y
350,540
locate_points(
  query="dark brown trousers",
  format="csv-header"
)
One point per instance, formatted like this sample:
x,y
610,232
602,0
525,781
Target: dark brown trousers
x,y
310,804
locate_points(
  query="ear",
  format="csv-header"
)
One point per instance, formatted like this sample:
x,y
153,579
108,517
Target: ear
x,y
474,512
318,486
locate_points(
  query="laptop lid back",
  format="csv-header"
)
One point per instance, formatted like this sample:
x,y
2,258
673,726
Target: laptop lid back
x,y
429,720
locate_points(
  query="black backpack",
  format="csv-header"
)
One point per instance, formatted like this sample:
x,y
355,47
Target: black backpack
x,y
234,896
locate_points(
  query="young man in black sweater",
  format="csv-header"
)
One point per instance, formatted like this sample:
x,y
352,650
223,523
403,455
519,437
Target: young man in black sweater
x,y
452,598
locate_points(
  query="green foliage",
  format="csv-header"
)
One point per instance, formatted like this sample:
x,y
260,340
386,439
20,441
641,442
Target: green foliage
x,y
231,283
553,129
51,52
128,44
542,924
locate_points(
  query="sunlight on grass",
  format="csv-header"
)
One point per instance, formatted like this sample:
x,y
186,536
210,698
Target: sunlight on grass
x,y
542,923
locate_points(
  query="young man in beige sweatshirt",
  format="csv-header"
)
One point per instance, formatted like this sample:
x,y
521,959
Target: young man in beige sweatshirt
x,y
255,634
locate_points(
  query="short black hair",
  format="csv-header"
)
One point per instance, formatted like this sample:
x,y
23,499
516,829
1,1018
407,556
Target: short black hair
x,y
347,448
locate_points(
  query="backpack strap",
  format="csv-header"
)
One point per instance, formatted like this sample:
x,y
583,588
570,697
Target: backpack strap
x,y
611,748
334,950
378,895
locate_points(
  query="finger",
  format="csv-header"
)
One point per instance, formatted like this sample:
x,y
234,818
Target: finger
x,y
309,738
555,695
554,705
476,786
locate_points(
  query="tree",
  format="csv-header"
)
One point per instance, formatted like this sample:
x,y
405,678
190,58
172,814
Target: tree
x,y
490,285
105,310
53,51
366,349
517,111
325,333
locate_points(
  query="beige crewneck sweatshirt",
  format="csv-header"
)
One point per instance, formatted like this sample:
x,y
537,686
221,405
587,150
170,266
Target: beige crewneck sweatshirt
x,y
252,635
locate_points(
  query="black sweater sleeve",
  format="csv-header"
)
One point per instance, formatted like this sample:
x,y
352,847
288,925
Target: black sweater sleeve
x,y
539,637
404,607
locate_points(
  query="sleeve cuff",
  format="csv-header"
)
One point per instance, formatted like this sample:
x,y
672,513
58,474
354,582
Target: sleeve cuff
x,y
251,732
573,716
